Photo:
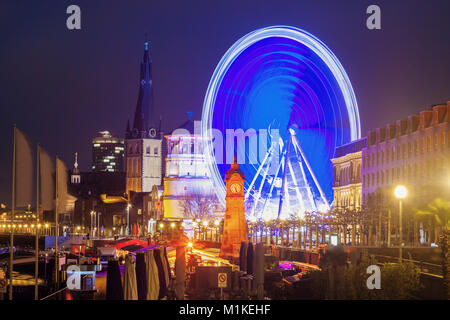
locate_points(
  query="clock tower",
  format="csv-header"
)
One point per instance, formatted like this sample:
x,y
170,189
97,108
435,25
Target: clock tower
x,y
235,225
143,141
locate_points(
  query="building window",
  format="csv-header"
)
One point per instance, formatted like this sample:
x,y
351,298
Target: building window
x,y
147,150
155,151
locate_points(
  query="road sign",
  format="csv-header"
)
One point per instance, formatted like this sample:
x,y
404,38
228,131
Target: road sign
x,y
222,280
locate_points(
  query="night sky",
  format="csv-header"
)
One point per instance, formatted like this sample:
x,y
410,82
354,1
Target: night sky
x,y
61,87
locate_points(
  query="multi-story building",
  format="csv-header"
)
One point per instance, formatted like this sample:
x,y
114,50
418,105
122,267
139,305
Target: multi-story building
x,y
414,152
107,153
347,184
187,183
143,140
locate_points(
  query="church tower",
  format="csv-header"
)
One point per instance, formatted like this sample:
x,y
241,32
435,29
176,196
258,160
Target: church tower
x,y
143,141
234,225
75,177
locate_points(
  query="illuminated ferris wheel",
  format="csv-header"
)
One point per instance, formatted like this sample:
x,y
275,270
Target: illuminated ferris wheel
x,y
285,89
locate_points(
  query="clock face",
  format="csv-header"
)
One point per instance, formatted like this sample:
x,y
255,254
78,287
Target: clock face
x,y
235,188
152,132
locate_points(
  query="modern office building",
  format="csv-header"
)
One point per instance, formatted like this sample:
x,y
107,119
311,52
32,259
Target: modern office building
x,y
107,153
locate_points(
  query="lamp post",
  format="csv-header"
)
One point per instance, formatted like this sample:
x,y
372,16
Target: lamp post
x,y
205,230
216,224
92,217
128,219
400,193
98,223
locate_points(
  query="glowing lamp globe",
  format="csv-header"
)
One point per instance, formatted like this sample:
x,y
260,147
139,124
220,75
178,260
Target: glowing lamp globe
x,y
400,192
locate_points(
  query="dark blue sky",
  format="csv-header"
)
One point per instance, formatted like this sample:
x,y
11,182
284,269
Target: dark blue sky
x,y
61,87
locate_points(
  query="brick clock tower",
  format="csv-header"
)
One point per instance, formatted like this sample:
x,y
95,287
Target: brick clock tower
x,y
235,225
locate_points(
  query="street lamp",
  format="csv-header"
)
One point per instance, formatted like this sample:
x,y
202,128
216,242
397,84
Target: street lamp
x,y
216,223
205,230
92,217
400,193
128,219
98,223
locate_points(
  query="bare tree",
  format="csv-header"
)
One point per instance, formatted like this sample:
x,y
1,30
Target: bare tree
x,y
197,206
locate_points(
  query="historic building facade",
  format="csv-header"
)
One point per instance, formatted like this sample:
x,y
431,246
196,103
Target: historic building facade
x,y
347,184
414,152
143,141
188,189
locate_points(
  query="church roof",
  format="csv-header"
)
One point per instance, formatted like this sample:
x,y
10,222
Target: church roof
x,y
144,117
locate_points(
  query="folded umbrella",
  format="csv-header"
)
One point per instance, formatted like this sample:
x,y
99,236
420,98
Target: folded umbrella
x,y
141,276
166,262
250,258
163,292
152,276
243,256
129,279
114,290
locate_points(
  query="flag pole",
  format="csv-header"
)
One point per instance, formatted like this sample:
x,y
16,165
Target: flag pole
x,y
11,240
36,262
56,225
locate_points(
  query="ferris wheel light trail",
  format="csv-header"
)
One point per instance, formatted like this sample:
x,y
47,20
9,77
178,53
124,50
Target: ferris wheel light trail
x,y
281,78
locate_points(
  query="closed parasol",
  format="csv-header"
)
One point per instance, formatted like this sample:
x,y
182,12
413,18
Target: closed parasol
x,y
152,276
129,279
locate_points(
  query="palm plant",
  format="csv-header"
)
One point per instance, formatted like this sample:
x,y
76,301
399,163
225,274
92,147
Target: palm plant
x,y
439,211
